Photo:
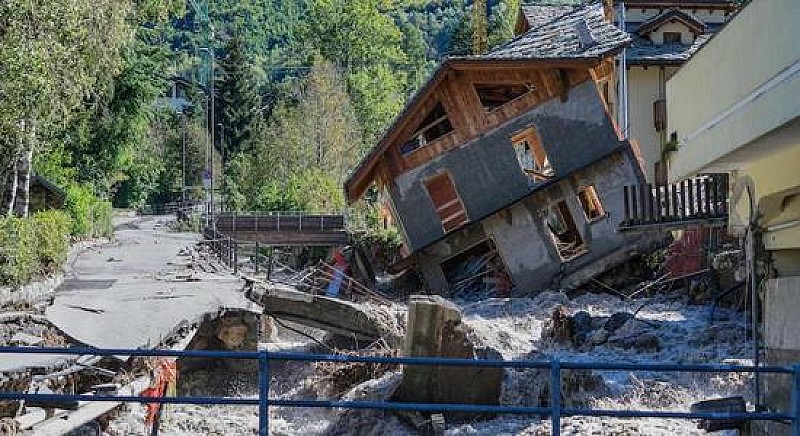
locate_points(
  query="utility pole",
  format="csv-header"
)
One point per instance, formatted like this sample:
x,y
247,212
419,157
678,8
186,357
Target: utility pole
x,y
211,121
183,162
201,8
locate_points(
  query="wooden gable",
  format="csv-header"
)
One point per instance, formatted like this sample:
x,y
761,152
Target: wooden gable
x,y
455,86
469,116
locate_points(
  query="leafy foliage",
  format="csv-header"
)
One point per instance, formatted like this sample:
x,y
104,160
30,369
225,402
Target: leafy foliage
x,y
91,217
32,247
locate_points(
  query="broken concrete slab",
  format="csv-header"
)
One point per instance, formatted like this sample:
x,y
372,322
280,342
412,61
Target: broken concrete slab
x,y
435,330
22,338
363,321
133,315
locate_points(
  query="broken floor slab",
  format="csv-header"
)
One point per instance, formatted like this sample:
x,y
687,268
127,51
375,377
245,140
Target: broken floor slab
x,y
362,321
140,314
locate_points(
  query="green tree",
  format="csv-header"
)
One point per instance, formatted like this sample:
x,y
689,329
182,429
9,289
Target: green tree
x,y
239,100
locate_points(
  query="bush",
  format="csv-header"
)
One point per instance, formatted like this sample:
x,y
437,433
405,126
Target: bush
x,y
52,229
17,250
90,215
32,247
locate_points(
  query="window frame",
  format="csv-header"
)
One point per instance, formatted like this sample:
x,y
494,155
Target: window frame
x,y
593,190
581,248
418,135
457,201
534,141
528,89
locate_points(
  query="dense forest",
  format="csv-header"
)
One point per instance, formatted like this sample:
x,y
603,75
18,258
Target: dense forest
x,y
114,98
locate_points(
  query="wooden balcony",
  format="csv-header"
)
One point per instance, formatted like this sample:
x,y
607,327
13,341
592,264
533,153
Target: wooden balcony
x,y
699,200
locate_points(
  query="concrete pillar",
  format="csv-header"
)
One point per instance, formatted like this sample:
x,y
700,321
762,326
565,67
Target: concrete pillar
x,y
782,345
434,329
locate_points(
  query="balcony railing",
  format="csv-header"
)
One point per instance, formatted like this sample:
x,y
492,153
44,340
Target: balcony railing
x,y
699,200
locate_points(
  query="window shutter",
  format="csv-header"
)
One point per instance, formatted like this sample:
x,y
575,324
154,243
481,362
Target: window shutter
x,y
448,204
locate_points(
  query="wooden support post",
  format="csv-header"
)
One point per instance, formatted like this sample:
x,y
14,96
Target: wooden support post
x,y
674,213
256,258
235,256
627,219
644,201
269,264
700,200
659,210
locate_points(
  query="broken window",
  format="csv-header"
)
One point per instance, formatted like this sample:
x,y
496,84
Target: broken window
x,y
564,232
448,204
477,271
433,127
531,155
591,203
494,96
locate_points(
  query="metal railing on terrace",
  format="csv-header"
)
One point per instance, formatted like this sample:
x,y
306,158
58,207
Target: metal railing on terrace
x,y
555,410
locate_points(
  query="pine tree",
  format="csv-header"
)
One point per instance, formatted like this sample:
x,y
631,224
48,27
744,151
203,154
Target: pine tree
x,y
239,101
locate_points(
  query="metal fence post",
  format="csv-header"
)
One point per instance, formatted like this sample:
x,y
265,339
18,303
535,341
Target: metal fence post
x,y
263,393
796,400
236,256
555,397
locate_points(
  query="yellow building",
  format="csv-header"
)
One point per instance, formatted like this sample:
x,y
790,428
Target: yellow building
x,y
666,33
735,108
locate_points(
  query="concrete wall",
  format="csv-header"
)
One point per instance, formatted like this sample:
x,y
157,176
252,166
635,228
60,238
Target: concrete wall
x,y
486,173
736,88
525,245
782,343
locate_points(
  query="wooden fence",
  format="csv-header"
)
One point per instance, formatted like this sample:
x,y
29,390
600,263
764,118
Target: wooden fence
x,y
696,200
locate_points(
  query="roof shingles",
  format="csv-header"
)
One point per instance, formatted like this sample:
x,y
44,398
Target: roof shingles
x,y
560,38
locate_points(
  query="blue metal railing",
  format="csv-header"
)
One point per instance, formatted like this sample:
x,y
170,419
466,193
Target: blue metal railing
x,y
555,410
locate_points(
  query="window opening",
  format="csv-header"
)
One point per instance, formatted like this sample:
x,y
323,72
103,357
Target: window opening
x,y
672,37
477,271
564,232
448,204
531,155
494,96
591,203
433,127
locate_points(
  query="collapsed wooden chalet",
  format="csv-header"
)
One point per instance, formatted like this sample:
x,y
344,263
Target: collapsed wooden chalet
x,y
505,171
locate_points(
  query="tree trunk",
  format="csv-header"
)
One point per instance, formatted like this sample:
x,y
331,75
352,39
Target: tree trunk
x,y
24,169
23,183
11,191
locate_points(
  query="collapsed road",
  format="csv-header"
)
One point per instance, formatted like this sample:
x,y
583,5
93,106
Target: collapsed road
x,y
137,290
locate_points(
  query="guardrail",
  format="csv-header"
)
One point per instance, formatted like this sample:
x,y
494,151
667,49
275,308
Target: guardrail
x,y
554,410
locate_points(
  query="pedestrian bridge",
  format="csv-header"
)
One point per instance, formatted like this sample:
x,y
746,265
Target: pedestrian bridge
x,y
283,228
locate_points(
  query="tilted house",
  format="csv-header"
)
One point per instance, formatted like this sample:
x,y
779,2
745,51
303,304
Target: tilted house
x,y
506,168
